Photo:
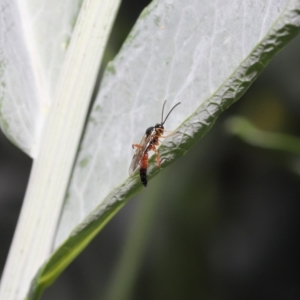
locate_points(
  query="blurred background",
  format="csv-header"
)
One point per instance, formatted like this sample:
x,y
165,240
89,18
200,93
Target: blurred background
x,y
220,223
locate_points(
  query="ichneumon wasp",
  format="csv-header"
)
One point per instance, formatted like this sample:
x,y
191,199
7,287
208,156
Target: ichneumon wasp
x,y
148,143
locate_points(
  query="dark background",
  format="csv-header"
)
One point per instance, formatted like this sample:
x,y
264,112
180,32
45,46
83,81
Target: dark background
x,y
220,223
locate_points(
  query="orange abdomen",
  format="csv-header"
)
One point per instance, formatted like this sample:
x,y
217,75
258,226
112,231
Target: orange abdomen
x,y
144,161
143,169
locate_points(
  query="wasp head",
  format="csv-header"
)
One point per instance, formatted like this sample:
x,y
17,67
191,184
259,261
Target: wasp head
x,y
159,128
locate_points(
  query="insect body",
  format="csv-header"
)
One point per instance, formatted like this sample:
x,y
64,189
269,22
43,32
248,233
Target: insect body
x,y
148,143
143,168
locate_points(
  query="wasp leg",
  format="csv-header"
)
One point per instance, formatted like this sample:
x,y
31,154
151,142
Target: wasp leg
x,y
161,160
137,146
158,160
166,136
153,148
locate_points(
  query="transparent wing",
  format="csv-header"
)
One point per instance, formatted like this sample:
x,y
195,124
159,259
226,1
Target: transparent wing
x,y
138,154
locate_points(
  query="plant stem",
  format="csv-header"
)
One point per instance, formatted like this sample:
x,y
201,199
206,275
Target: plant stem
x,y
36,229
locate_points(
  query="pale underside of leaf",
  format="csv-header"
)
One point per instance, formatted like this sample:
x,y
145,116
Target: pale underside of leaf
x,y
182,51
33,42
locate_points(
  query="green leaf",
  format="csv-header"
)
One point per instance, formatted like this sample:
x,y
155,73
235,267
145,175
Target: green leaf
x,y
198,54
204,54
258,138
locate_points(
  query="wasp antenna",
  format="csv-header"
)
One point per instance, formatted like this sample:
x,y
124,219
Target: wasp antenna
x,y
162,112
169,112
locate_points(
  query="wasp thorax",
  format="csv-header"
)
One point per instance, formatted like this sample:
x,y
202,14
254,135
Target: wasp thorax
x,y
149,130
